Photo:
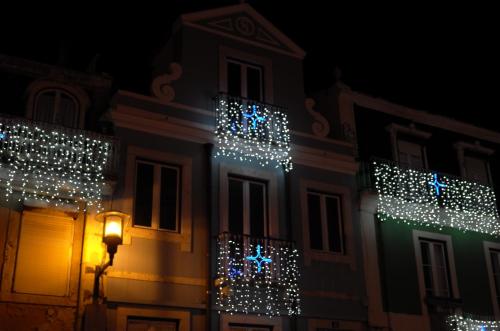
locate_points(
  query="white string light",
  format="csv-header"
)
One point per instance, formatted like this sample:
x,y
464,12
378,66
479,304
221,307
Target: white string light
x,y
251,131
460,323
423,197
51,166
242,288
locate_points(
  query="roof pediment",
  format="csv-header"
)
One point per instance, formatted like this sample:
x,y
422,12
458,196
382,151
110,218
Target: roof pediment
x,y
245,24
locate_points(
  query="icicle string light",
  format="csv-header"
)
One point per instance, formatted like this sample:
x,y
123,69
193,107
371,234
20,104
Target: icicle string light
x,y
243,288
51,166
460,323
426,198
249,131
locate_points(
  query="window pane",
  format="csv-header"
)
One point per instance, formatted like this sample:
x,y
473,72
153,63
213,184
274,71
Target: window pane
x,y
67,114
168,199
439,255
314,213
442,282
254,84
476,169
233,79
428,280
334,225
257,210
45,107
144,194
426,259
44,256
494,262
235,206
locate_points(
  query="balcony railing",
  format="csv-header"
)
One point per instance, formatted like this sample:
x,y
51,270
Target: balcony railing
x,y
52,163
467,322
430,198
257,275
252,130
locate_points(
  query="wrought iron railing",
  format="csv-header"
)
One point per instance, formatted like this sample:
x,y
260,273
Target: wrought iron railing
x,y
54,163
251,129
257,275
430,198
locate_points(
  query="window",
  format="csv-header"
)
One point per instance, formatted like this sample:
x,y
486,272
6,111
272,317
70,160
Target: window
x,y
58,107
435,268
247,207
149,324
41,237
157,196
476,169
241,327
495,272
411,154
325,222
244,80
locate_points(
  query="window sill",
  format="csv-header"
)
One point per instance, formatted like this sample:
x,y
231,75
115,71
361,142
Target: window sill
x,y
310,255
158,234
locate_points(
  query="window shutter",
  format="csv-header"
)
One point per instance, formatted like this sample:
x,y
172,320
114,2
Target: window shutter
x,y
44,255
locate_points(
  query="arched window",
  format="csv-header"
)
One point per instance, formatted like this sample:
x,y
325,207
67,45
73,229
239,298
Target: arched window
x,y
58,107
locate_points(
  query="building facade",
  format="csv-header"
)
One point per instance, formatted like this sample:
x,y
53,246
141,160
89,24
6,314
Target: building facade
x,y
250,205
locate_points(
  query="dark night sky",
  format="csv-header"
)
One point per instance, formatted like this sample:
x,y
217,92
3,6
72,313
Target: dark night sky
x,y
442,60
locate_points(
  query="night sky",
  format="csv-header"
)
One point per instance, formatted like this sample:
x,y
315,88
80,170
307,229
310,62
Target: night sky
x,y
439,59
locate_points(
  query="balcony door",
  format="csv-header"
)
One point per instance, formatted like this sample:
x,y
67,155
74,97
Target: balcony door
x,y
247,207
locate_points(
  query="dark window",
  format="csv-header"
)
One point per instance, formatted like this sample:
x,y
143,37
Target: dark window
x,y
325,222
169,199
244,80
58,107
157,196
247,207
234,79
435,268
495,266
254,83
236,206
144,194
315,232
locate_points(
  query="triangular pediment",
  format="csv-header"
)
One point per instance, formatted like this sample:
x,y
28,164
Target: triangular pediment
x,y
243,23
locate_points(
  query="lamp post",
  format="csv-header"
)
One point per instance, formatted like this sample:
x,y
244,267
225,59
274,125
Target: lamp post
x,y
112,237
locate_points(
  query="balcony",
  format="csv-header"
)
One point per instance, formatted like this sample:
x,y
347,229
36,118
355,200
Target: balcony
x,y
430,198
252,131
53,164
468,322
257,275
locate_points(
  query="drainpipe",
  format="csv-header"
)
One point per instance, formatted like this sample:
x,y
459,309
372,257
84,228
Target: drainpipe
x,y
210,200
288,217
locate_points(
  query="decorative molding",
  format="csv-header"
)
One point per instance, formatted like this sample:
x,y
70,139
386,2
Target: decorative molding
x,y
423,117
157,278
331,295
161,85
183,318
320,127
245,24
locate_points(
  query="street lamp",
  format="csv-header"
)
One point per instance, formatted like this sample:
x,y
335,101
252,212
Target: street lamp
x,y
112,237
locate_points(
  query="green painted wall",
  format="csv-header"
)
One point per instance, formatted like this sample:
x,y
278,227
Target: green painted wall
x,y
399,269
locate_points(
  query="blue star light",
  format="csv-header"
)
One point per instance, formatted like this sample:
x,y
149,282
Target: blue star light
x,y
259,259
254,117
234,272
437,185
2,136
483,328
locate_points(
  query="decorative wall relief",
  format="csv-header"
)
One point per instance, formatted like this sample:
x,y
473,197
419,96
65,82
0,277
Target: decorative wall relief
x,y
161,85
320,127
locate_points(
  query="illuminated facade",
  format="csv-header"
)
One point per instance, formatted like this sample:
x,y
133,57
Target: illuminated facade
x,y
252,206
